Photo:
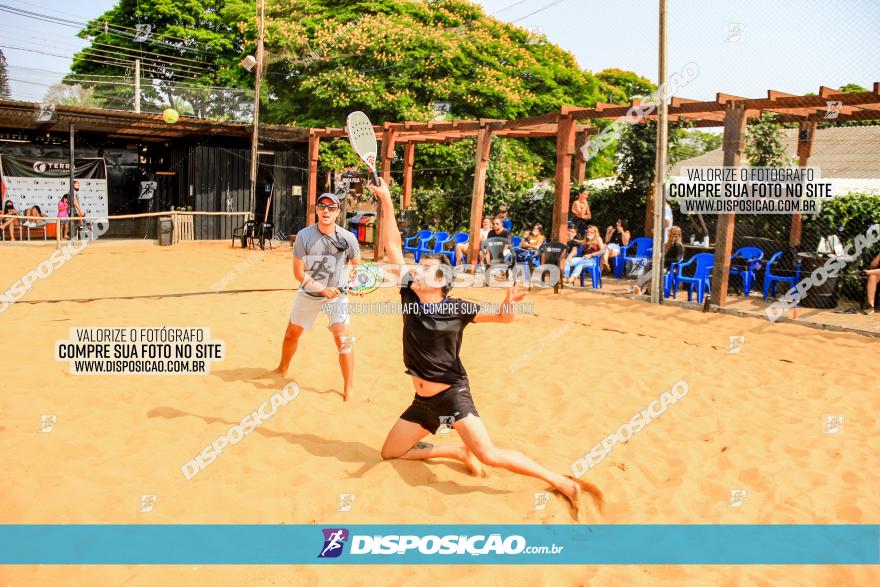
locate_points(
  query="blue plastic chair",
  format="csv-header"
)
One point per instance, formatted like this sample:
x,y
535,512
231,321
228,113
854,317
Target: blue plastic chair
x,y
440,239
595,270
643,247
770,280
421,239
459,238
517,241
700,281
753,256
669,283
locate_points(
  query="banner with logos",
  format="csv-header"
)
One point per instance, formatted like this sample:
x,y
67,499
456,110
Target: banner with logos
x,y
34,181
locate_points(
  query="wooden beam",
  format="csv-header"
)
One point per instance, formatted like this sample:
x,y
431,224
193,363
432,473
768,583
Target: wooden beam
x,y
733,144
580,164
409,155
564,150
314,154
806,134
386,157
484,145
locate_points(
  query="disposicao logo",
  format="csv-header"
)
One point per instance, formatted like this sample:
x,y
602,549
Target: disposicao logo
x,y
334,541
336,538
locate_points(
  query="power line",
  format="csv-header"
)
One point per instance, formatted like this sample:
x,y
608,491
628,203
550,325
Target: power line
x,y
119,30
542,9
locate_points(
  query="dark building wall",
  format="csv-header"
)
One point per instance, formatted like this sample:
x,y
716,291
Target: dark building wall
x,y
206,177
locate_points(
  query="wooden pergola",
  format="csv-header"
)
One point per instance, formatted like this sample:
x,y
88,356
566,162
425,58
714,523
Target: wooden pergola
x,y
572,127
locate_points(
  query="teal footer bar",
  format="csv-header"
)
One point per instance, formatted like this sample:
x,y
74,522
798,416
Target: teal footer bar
x,y
206,544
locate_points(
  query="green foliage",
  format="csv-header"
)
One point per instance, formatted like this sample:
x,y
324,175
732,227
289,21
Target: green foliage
x,y
845,216
5,93
692,144
392,59
618,86
764,147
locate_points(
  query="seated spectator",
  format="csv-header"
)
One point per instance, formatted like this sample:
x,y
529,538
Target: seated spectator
x,y
616,236
572,245
672,252
593,247
461,249
6,220
531,242
498,231
873,275
506,222
37,215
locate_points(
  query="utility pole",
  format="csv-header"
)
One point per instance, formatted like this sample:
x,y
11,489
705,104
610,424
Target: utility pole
x,y
660,167
137,85
261,13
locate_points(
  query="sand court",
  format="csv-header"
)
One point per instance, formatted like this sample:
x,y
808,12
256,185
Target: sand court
x,y
551,385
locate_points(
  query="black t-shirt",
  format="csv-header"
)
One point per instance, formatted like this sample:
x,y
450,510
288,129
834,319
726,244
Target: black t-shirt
x,y
616,238
573,247
432,336
503,234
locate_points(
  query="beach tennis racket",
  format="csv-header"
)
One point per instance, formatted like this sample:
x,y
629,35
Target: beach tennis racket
x,y
363,140
365,279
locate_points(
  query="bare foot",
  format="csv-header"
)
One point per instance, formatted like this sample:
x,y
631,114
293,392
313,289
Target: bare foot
x,y
347,395
592,491
571,490
279,372
473,463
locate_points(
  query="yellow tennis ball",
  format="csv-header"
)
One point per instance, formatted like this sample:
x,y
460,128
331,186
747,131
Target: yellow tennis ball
x,y
170,115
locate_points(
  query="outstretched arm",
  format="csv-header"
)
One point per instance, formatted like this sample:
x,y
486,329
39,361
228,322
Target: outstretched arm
x,y
391,240
505,315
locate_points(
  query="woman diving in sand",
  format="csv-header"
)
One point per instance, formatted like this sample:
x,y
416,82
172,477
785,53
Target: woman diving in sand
x,y
433,325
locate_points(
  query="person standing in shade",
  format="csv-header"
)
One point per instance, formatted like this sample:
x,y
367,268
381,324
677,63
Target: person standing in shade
x,y
580,209
873,275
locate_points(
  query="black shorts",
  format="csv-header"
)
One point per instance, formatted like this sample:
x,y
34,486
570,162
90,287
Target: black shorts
x,y
447,407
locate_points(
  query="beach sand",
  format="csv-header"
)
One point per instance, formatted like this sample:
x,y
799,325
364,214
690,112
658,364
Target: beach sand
x,y
551,385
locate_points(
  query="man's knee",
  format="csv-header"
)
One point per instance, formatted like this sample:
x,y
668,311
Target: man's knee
x,y
293,332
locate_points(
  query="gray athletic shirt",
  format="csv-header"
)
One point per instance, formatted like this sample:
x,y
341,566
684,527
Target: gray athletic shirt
x,y
324,262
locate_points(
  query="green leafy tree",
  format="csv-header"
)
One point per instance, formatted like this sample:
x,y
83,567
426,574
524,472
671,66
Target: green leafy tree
x,y
5,93
395,60
764,146
618,86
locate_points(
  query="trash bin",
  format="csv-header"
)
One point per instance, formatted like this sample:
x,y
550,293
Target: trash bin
x,y
362,228
370,236
166,229
823,295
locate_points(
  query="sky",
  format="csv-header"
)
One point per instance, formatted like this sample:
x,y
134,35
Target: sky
x,y
741,47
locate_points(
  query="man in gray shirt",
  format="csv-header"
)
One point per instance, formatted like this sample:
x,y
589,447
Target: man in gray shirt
x,y
322,257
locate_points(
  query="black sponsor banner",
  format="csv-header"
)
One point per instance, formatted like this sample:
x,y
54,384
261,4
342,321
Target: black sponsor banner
x,y
51,168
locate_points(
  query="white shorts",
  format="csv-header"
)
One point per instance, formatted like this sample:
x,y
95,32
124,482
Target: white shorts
x,y
306,309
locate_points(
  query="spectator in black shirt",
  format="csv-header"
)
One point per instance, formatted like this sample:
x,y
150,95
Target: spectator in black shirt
x,y
433,325
498,231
